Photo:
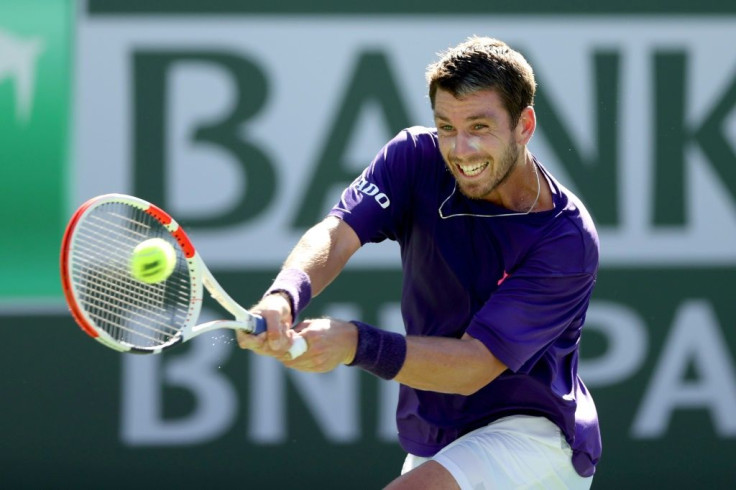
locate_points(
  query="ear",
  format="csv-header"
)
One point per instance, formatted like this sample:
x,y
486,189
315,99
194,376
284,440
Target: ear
x,y
526,125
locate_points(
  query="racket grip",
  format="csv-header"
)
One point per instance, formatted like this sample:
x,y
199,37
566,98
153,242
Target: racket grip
x,y
299,346
259,324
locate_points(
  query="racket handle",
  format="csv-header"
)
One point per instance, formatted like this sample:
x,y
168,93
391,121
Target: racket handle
x,y
299,346
260,325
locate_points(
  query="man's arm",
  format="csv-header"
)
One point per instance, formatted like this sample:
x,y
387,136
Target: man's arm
x,y
459,366
321,253
444,365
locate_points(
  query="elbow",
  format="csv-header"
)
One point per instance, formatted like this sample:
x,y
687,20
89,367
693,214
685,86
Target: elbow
x,y
470,389
473,384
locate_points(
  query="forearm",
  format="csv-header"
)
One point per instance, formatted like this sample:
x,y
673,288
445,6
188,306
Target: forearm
x,y
315,261
439,364
323,251
445,365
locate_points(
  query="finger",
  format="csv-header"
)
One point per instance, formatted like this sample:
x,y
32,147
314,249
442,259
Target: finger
x,y
250,341
275,332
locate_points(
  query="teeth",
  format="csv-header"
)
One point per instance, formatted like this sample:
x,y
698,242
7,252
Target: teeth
x,y
471,170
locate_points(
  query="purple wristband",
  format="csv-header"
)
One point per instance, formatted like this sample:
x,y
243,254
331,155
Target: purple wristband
x,y
379,352
296,284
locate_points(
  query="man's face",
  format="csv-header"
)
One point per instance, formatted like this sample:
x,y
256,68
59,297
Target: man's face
x,y
476,141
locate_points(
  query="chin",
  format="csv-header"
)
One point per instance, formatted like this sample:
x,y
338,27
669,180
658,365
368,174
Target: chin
x,y
473,192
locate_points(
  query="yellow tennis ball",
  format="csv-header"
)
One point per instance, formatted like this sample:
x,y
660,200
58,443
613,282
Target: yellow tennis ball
x,y
153,261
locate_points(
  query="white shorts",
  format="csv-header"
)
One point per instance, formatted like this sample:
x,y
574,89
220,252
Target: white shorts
x,y
519,451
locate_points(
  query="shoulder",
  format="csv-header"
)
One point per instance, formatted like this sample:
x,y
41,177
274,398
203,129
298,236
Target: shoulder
x,y
419,141
411,154
570,239
577,230
422,136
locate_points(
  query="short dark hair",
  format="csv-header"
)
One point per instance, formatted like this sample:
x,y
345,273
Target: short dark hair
x,y
483,63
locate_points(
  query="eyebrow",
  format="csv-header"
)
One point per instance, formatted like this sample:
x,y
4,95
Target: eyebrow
x,y
476,117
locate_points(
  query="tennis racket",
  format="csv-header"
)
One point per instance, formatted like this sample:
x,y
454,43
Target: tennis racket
x,y
124,313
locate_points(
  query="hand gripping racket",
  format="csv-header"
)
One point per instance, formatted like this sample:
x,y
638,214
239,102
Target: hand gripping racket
x,y
124,313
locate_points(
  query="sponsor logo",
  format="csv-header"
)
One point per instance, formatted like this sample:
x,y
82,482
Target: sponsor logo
x,y
18,57
370,189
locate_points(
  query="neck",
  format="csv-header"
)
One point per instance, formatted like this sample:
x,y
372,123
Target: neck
x,y
523,187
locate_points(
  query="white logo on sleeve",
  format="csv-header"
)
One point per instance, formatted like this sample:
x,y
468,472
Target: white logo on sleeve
x,y
372,190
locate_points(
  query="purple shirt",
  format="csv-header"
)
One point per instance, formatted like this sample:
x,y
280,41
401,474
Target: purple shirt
x,y
519,284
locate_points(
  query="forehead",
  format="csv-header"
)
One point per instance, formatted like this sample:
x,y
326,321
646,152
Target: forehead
x,y
482,104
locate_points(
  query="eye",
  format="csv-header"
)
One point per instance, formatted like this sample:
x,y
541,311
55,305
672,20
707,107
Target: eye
x,y
479,126
446,128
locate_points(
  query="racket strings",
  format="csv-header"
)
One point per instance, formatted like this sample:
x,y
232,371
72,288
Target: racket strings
x,y
117,310
96,245
143,315
100,288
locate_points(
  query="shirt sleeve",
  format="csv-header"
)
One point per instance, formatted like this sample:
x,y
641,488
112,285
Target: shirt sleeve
x,y
534,308
375,203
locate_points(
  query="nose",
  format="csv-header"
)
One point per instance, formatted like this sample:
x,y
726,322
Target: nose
x,y
464,145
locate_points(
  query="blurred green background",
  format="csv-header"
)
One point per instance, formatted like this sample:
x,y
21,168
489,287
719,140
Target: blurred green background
x,y
245,119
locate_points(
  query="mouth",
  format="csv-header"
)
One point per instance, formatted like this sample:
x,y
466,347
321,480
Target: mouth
x,y
472,169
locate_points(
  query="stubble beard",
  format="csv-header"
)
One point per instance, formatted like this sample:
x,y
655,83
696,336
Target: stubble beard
x,y
483,189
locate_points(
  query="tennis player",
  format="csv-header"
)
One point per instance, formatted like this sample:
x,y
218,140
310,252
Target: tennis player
x,y
499,262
